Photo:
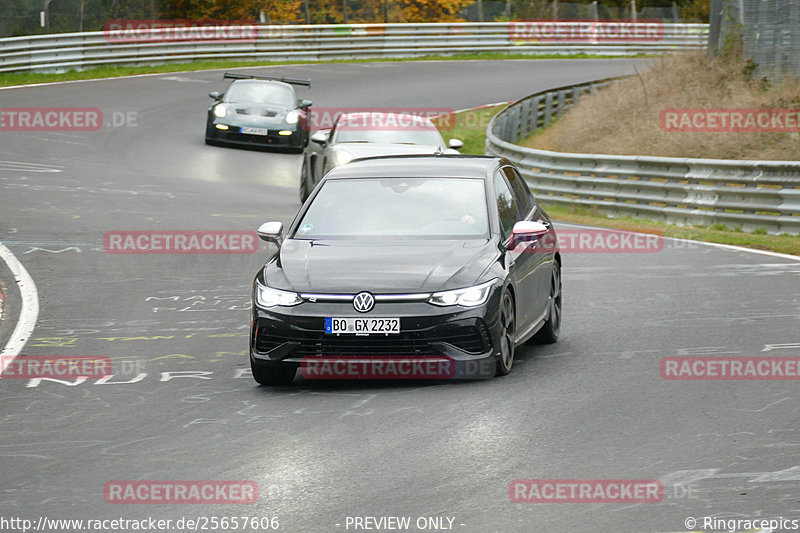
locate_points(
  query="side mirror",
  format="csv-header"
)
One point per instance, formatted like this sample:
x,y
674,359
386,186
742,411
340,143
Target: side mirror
x,y
305,104
215,95
271,232
320,137
527,231
455,144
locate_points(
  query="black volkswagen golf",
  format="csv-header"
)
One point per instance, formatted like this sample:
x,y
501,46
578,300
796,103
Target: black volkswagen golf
x,y
407,259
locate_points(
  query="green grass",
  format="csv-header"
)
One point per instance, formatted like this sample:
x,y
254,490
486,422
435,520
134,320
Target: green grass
x,y
27,78
470,126
758,239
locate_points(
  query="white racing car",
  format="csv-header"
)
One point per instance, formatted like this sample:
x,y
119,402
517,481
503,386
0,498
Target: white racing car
x,y
368,134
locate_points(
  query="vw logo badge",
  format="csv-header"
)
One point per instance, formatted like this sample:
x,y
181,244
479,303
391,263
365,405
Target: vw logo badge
x,y
363,302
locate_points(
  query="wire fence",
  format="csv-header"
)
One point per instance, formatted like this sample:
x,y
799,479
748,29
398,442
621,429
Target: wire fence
x,y
34,17
768,32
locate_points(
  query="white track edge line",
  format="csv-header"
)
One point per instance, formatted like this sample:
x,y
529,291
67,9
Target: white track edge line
x,y
146,75
715,244
29,311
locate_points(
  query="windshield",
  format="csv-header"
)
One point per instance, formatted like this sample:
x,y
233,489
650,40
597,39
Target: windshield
x,y
260,93
428,208
386,129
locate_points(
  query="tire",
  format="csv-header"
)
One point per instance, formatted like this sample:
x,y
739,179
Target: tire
x,y
552,327
271,373
304,188
507,333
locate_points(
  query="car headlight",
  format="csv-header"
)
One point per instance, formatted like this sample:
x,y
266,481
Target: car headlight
x,y
467,297
340,157
269,297
292,116
219,111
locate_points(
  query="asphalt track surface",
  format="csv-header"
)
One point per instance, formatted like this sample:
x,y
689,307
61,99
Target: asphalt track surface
x,y
592,406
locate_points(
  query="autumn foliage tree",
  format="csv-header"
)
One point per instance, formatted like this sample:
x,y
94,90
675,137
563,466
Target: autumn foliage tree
x,y
432,10
274,10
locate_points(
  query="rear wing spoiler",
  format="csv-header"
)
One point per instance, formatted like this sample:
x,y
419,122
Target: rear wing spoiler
x,y
254,77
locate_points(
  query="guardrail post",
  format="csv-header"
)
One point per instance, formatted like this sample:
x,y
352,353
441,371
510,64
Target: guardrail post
x,y
515,125
548,109
576,95
536,102
525,120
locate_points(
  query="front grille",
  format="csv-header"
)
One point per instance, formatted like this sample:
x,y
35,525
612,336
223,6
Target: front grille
x,y
256,139
469,339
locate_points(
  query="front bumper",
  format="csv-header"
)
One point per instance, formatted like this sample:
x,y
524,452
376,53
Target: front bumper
x,y
466,337
233,135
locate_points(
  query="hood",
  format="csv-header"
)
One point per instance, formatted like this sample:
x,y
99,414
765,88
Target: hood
x,y
404,267
359,150
254,113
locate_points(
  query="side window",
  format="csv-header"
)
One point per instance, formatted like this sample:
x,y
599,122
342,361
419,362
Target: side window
x,y
521,191
506,205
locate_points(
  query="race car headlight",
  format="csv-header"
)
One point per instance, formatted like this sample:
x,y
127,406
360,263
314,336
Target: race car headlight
x,y
219,111
269,297
467,297
340,157
292,116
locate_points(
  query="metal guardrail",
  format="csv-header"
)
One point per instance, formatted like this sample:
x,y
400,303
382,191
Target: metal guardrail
x,y
323,42
746,194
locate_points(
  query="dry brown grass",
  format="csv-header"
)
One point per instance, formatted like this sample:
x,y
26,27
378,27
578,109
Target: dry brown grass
x,y
624,117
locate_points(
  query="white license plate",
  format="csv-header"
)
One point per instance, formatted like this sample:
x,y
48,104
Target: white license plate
x,y
255,131
363,326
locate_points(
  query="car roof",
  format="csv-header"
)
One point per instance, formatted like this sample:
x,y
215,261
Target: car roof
x,y
384,114
416,166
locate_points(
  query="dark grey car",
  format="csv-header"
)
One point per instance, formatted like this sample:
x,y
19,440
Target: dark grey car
x,y
407,257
